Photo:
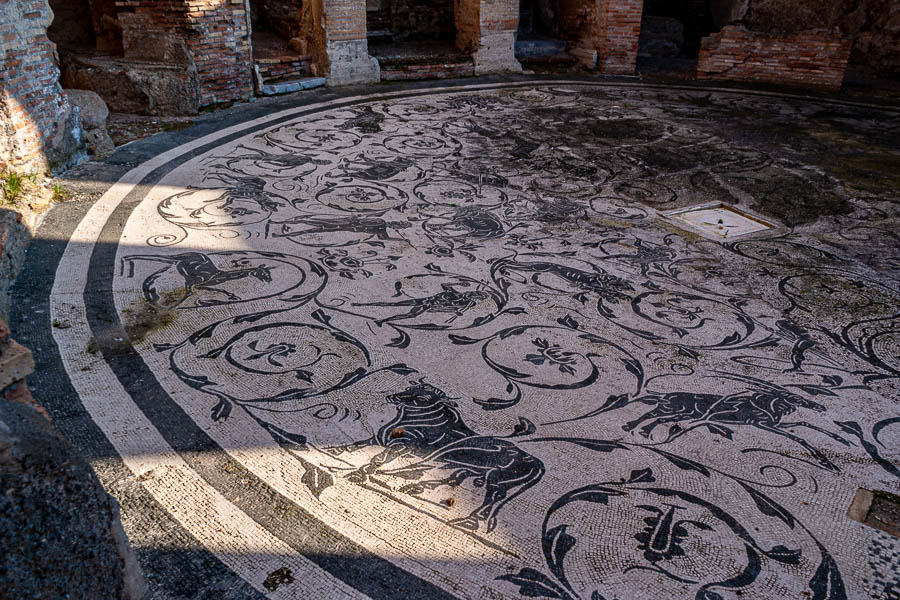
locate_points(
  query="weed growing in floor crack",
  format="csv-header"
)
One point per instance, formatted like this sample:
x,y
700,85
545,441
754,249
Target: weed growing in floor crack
x,y
144,319
11,184
60,192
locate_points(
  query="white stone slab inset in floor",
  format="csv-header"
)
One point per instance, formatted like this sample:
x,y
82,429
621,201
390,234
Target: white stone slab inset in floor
x,y
719,221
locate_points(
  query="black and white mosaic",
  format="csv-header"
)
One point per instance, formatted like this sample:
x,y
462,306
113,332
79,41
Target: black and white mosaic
x,y
454,331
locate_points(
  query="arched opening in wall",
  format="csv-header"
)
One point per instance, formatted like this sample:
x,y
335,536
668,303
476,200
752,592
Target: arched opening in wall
x,y
415,39
279,49
671,32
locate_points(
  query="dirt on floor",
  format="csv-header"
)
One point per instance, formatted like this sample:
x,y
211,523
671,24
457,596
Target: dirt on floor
x,y
124,128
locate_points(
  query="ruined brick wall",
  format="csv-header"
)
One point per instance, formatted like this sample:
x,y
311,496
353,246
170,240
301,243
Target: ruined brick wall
x,y
37,126
219,39
872,25
499,15
346,49
216,33
345,19
498,21
809,59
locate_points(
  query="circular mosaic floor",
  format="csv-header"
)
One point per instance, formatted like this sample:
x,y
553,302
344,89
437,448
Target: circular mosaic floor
x,y
448,344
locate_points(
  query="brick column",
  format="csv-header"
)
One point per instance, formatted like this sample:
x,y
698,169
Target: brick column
x,y
620,27
603,33
345,44
498,21
487,30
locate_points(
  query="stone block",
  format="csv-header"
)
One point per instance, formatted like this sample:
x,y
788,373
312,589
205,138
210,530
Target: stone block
x,y
91,108
350,63
136,88
496,53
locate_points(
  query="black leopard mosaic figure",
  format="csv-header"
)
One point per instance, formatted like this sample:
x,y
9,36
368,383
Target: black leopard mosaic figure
x,y
429,427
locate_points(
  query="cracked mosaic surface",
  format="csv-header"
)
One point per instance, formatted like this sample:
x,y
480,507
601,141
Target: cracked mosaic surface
x,y
446,341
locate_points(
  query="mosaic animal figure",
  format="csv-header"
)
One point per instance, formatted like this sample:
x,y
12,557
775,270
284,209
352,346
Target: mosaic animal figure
x,y
763,406
199,273
246,188
242,200
450,301
470,222
363,167
608,287
366,120
371,226
435,436
273,164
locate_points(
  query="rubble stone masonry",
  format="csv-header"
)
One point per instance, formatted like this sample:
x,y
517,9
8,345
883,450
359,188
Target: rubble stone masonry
x,y
805,59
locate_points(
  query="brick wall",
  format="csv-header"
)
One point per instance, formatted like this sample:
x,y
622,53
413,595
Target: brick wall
x,y
37,128
220,42
806,59
346,49
216,33
499,15
497,22
345,19
603,33
620,28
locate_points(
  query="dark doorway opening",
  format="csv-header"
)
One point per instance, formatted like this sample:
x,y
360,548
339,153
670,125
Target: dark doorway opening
x,y
539,39
84,27
415,39
671,32
277,44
